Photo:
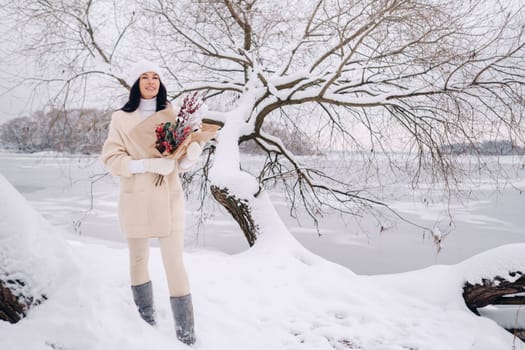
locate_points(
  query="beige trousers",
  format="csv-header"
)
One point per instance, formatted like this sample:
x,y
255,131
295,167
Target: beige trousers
x,y
171,248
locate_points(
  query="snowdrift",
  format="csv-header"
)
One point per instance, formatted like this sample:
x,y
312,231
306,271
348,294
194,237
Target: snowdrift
x,y
31,251
259,299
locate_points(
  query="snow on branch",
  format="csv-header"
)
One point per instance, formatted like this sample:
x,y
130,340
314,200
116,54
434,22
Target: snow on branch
x,y
312,187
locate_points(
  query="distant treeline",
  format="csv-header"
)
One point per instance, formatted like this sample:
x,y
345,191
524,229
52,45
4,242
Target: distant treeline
x,y
488,148
70,131
84,131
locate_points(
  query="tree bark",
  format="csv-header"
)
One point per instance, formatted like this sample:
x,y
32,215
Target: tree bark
x,y
12,308
493,292
240,210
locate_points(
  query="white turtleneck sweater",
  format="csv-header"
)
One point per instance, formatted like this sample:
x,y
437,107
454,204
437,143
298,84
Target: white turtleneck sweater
x,y
146,109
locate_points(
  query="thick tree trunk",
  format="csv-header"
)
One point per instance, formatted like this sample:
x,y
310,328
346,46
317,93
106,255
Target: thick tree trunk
x,y
13,308
496,291
240,210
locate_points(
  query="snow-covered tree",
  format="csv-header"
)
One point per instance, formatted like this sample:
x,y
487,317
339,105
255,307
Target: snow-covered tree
x,y
371,76
428,73
363,75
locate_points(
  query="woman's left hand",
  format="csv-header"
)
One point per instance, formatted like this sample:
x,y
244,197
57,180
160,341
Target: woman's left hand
x,y
193,151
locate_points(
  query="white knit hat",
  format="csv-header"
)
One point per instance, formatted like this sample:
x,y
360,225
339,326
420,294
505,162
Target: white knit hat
x,y
141,67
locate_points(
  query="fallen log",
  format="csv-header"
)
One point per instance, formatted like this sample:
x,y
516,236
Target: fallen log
x,y
33,257
497,291
489,291
13,306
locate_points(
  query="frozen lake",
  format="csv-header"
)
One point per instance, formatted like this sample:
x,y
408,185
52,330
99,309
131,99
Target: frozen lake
x,y
74,195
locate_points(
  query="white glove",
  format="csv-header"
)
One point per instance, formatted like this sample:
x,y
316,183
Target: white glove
x,y
195,125
136,166
193,151
162,166
185,164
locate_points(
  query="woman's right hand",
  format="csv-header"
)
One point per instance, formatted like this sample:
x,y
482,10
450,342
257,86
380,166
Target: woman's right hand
x,y
162,166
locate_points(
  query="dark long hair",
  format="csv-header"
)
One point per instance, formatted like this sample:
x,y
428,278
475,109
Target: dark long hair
x,y
134,98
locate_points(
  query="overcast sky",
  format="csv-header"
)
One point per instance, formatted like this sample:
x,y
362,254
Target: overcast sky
x,y
15,99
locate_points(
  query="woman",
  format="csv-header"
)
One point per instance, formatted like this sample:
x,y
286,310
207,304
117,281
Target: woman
x,y
146,210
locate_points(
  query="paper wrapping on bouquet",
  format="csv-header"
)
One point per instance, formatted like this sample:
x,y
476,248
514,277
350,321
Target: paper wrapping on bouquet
x,y
203,135
145,135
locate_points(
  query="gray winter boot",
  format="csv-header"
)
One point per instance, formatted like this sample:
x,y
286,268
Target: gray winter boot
x,y
182,309
143,298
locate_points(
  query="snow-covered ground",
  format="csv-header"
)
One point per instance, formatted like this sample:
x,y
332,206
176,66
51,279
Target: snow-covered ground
x,y
261,298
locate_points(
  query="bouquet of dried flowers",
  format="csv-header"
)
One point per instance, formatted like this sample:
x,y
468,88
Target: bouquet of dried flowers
x,y
165,134
171,135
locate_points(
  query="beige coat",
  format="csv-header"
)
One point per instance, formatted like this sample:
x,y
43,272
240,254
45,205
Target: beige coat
x,y
144,209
